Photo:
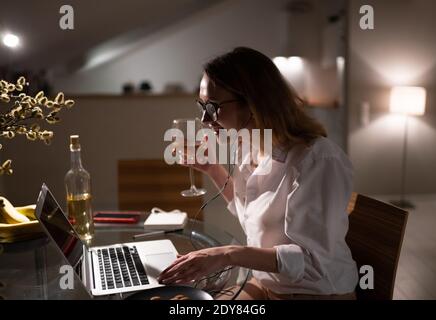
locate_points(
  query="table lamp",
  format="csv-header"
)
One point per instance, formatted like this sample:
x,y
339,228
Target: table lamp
x,y
409,101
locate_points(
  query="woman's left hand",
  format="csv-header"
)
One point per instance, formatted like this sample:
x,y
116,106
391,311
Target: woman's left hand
x,y
195,265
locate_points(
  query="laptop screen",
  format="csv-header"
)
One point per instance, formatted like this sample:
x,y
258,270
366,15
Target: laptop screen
x,y
50,214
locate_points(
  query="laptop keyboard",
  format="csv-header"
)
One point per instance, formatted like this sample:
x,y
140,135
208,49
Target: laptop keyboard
x,y
121,267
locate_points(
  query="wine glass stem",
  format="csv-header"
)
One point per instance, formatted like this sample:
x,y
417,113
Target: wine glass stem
x,y
191,178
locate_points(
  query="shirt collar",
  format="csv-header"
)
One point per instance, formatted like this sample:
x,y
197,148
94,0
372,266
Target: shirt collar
x,y
247,168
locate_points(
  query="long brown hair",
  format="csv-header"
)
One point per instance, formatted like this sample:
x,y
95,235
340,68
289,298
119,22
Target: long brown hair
x,y
256,81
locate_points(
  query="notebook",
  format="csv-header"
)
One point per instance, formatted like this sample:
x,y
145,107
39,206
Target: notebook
x,y
163,220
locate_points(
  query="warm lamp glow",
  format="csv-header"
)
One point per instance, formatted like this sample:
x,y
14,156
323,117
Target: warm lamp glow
x,y
408,100
292,65
281,63
292,69
295,64
10,40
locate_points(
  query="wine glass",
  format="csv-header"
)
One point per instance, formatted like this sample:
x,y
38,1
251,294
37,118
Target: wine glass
x,y
182,125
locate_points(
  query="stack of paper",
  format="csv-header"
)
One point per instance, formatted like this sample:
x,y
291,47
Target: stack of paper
x,y
161,220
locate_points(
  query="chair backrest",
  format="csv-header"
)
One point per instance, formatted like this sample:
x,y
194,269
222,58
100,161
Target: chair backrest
x,y
375,237
147,183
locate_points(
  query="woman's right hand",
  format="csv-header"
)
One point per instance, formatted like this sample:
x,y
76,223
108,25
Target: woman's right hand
x,y
216,172
205,167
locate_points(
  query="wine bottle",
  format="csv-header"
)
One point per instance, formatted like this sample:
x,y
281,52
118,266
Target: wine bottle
x,y
78,189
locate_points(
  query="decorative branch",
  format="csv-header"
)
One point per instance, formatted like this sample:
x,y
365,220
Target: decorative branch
x,y
21,108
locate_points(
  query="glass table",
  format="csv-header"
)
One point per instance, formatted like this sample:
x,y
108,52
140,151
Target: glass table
x,y
32,269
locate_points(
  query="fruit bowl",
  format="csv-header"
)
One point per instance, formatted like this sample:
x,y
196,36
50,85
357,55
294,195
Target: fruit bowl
x,y
18,223
20,231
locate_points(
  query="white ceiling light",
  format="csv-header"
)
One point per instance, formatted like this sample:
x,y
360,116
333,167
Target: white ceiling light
x,y
11,40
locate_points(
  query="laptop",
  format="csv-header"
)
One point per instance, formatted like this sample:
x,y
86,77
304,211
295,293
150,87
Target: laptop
x,y
104,270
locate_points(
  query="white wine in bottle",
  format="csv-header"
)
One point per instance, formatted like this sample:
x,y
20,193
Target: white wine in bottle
x,y
78,187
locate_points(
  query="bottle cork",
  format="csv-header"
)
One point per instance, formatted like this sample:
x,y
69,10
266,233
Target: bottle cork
x,y
74,142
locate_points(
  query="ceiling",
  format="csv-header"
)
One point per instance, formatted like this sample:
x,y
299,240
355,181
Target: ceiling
x,y
97,23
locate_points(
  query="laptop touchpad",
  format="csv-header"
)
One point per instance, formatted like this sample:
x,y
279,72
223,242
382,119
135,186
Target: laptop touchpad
x,y
156,263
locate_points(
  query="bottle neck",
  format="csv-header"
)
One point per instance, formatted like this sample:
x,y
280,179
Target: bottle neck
x,y
76,161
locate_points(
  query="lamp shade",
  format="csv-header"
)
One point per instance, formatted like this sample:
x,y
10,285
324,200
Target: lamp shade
x,y
408,100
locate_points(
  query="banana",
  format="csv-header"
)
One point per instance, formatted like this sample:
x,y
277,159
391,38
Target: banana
x,y
28,211
9,213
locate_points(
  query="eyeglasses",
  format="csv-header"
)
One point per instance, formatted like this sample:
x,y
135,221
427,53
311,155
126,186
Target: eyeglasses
x,y
211,107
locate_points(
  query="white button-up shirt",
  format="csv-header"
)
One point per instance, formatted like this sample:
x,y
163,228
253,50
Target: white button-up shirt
x,y
299,208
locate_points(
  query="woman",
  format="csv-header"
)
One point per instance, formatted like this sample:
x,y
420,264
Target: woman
x,y
294,217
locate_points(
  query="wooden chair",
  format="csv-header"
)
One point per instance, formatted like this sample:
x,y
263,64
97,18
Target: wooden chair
x,y
375,237
147,183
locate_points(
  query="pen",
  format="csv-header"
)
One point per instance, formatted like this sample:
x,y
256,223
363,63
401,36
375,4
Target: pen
x,y
153,233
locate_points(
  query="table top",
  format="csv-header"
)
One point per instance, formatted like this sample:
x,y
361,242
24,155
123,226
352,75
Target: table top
x,y
31,269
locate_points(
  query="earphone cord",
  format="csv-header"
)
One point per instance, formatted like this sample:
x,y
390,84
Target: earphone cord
x,y
219,273
229,174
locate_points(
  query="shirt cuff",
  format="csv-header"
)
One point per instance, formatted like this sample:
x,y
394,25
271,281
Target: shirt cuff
x,y
290,261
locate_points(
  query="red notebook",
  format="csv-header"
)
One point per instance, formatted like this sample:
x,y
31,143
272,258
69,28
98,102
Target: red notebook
x,y
117,216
